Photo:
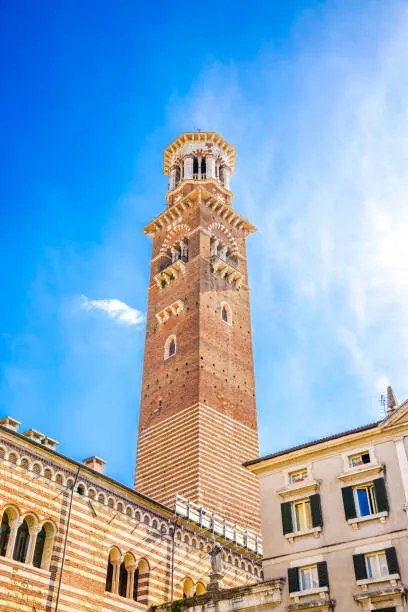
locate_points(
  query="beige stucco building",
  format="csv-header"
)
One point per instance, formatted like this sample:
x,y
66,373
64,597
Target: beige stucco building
x,y
334,518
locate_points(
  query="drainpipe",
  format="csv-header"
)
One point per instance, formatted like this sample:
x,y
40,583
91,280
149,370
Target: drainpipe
x,y
66,539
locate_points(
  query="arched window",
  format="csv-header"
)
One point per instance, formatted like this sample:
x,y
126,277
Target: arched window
x,y
195,167
123,578
221,174
4,534
188,588
226,313
200,588
112,571
170,347
142,578
203,167
136,584
178,175
22,541
39,548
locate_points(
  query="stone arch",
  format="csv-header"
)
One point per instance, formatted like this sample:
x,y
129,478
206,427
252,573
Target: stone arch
x,y
200,588
92,493
44,545
226,313
60,478
218,228
188,588
13,458
3,452
187,539
112,571
120,507
138,516
146,520
128,511
143,577
155,523
26,463
111,502
180,228
170,346
48,473
102,498
37,468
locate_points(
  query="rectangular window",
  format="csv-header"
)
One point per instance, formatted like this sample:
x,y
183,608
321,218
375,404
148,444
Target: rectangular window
x,y
359,459
376,565
302,516
365,500
298,476
308,578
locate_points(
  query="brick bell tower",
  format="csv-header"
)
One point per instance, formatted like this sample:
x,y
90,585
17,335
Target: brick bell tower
x,y
198,413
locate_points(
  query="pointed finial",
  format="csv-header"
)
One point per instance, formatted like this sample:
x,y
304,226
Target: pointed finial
x,y
392,400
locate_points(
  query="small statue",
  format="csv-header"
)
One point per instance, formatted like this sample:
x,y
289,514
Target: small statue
x,y
216,568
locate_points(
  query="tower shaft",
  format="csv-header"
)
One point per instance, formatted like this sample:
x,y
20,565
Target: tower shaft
x,y
198,413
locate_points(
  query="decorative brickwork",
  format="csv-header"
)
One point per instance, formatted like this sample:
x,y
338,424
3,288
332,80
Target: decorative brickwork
x,y
198,413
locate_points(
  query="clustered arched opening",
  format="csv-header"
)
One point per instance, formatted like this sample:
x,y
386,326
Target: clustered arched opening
x,y
221,249
178,251
127,578
199,165
190,589
25,539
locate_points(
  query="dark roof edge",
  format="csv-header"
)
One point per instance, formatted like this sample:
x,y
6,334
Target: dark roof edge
x,y
85,468
313,443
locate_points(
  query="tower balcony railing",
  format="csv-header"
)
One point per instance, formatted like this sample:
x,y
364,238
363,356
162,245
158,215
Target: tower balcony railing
x,y
228,260
168,262
218,525
197,177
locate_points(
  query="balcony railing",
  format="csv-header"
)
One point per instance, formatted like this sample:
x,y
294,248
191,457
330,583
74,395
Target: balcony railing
x,y
168,262
228,260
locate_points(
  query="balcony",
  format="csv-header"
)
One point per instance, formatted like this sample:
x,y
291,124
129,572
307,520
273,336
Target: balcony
x,y
169,271
227,268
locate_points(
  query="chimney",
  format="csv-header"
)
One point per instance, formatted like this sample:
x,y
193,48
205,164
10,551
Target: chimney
x,y
10,423
95,463
34,435
50,443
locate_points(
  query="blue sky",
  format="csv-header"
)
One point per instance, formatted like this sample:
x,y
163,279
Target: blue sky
x,y
314,97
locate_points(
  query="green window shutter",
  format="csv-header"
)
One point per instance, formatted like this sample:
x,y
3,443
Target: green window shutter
x,y
293,580
287,524
316,510
381,495
392,561
348,502
323,574
360,569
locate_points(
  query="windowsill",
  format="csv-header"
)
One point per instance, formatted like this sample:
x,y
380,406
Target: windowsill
x,y
380,516
305,487
315,591
389,578
315,531
366,471
25,566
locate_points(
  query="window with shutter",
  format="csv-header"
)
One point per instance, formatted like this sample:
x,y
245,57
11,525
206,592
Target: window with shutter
x,y
316,510
286,510
348,502
381,495
392,561
293,580
323,574
359,567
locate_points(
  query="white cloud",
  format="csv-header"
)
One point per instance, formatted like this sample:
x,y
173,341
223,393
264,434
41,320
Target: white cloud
x,y
116,310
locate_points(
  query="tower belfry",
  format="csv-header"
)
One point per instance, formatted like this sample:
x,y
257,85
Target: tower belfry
x,y
198,413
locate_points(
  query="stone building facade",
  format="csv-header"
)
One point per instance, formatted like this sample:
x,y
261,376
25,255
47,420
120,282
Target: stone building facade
x,y
334,518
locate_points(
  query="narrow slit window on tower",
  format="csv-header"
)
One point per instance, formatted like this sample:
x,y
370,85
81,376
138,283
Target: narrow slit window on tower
x,y
226,313
203,167
195,167
170,347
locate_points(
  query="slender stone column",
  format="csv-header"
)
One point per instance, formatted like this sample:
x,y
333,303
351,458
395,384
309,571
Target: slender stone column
x,y
33,531
210,171
188,167
14,525
130,581
227,176
115,576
